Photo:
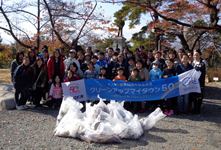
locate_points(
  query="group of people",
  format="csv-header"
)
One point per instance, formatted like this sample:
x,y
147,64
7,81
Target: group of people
x,y
38,73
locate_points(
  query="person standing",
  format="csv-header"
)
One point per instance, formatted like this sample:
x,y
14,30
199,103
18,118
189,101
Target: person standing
x,y
142,53
32,56
199,65
21,80
181,68
55,66
18,61
39,79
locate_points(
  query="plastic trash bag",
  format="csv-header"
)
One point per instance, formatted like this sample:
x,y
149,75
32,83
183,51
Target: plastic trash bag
x,y
67,102
102,123
149,121
70,124
135,128
103,134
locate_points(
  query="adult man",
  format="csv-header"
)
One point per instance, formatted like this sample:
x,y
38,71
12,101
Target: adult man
x,y
21,80
45,55
110,52
89,50
71,59
141,48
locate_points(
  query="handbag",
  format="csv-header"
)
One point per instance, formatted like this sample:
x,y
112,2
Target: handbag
x,y
35,84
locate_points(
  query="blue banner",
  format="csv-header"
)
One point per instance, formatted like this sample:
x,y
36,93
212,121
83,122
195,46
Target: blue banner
x,y
88,89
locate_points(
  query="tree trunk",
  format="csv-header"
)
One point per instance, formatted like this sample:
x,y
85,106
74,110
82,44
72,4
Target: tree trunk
x,y
38,29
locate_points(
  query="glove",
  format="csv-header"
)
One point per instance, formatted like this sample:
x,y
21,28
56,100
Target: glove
x,y
169,75
197,69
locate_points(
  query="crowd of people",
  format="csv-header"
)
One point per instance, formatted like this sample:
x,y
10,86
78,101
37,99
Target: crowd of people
x,y
37,73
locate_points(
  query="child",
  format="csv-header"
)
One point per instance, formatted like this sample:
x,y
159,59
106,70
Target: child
x,y
120,71
94,61
103,74
55,94
134,77
155,73
181,68
90,73
69,76
169,72
101,61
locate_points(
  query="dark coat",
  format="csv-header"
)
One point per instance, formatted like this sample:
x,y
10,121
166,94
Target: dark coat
x,y
43,77
202,68
14,65
181,69
23,76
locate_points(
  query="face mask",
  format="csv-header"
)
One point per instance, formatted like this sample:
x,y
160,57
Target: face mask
x,y
155,67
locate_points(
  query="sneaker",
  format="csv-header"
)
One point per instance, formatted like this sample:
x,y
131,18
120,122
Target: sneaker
x,y
20,107
142,110
25,106
170,112
166,112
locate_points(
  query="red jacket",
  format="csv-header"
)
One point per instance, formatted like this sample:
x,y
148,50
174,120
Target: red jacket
x,y
50,67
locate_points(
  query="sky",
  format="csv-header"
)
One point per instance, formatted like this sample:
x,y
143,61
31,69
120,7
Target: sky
x,y
109,8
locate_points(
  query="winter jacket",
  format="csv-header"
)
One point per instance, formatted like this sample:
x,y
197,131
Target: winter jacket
x,y
155,74
50,68
144,74
23,76
14,65
181,69
117,65
43,77
201,65
69,61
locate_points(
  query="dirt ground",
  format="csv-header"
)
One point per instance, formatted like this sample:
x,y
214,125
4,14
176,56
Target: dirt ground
x,y
33,129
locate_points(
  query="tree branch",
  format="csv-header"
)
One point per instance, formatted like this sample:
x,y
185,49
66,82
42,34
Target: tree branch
x,y
11,31
53,26
75,40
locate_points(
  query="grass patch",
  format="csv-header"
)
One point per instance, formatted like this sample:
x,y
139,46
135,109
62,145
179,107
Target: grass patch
x,y
5,75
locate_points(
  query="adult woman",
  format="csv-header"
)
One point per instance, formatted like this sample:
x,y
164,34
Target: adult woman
x,y
39,78
55,66
198,64
18,61
181,68
144,75
32,56
76,72
173,55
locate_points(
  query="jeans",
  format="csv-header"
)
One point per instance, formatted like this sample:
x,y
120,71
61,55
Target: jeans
x,y
24,95
185,102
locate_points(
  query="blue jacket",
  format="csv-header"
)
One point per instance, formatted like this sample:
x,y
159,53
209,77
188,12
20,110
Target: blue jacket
x,y
181,69
155,75
102,63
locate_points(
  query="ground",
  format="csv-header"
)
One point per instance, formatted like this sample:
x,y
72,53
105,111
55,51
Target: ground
x,y
33,129
5,76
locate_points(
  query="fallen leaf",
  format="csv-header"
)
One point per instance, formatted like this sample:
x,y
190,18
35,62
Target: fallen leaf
x,y
194,149
219,140
200,143
4,135
8,142
32,119
16,132
63,137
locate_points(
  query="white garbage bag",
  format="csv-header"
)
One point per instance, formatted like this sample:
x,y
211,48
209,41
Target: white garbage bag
x,y
149,121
